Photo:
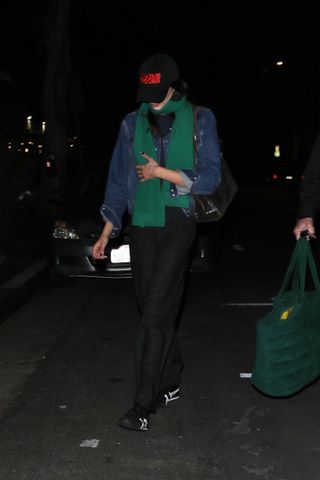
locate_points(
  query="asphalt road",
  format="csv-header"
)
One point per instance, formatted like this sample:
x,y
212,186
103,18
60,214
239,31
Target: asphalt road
x,y
66,371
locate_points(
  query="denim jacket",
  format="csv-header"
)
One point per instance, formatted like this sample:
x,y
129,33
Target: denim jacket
x,y
123,179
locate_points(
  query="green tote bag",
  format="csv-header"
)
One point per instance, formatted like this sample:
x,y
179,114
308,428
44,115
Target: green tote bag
x,y
288,337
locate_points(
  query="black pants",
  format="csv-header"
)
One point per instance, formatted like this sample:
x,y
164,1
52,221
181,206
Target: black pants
x,y
159,261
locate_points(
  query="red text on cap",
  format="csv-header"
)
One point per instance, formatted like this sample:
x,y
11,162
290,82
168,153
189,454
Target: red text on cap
x,y
150,78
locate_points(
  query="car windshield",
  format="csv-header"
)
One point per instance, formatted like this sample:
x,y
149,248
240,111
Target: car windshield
x,y
90,182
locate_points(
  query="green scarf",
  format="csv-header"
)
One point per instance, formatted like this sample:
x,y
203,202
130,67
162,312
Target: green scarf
x,y
153,195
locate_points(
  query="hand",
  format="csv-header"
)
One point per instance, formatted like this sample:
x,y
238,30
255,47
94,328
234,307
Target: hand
x,y
304,224
99,247
148,170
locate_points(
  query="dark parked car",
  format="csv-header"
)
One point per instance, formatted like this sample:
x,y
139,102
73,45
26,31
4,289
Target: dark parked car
x,y
79,225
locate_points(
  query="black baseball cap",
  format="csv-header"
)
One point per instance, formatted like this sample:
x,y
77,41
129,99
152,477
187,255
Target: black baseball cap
x,y
156,74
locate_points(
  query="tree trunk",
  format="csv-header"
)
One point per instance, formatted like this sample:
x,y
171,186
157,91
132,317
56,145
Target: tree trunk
x,y
56,105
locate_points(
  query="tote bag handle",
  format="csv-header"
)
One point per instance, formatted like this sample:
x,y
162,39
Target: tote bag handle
x,y
302,257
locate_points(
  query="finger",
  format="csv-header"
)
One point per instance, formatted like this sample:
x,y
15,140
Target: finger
x,y
147,157
99,255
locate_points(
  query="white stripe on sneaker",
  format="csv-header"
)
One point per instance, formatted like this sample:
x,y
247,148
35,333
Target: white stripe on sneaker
x,y
170,396
144,423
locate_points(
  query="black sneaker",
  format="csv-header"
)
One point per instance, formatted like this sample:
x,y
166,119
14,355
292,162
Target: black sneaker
x,y
137,418
169,396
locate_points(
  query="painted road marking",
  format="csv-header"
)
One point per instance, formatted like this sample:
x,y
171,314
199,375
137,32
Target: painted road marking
x,y
90,443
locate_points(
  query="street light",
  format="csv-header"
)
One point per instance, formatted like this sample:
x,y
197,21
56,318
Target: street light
x,y
29,118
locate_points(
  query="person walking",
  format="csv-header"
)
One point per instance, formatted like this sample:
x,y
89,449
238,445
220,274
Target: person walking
x,y
309,202
153,175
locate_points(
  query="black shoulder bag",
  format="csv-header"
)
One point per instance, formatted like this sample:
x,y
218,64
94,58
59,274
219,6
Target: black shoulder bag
x,y
211,207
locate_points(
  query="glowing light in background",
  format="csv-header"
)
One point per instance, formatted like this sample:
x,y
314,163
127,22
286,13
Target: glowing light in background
x,y
29,125
276,151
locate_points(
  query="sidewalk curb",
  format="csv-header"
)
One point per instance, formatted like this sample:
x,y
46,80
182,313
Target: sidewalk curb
x,y
18,290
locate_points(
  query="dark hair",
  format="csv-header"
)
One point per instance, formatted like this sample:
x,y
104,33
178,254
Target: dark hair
x,y
180,89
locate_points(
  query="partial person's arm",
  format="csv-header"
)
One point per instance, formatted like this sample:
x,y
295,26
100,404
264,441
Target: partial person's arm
x,y
206,175
116,194
116,191
309,203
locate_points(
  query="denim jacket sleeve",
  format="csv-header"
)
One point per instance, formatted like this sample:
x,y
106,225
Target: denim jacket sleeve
x,y
117,193
206,175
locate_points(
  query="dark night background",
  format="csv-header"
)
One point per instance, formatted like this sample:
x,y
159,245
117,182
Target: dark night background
x,y
66,344
227,52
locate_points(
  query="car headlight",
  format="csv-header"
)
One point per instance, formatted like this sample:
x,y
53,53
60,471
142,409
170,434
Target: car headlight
x,y
63,231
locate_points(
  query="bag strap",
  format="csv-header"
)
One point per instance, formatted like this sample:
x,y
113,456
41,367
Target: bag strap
x,y
297,268
301,258
312,266
196,110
